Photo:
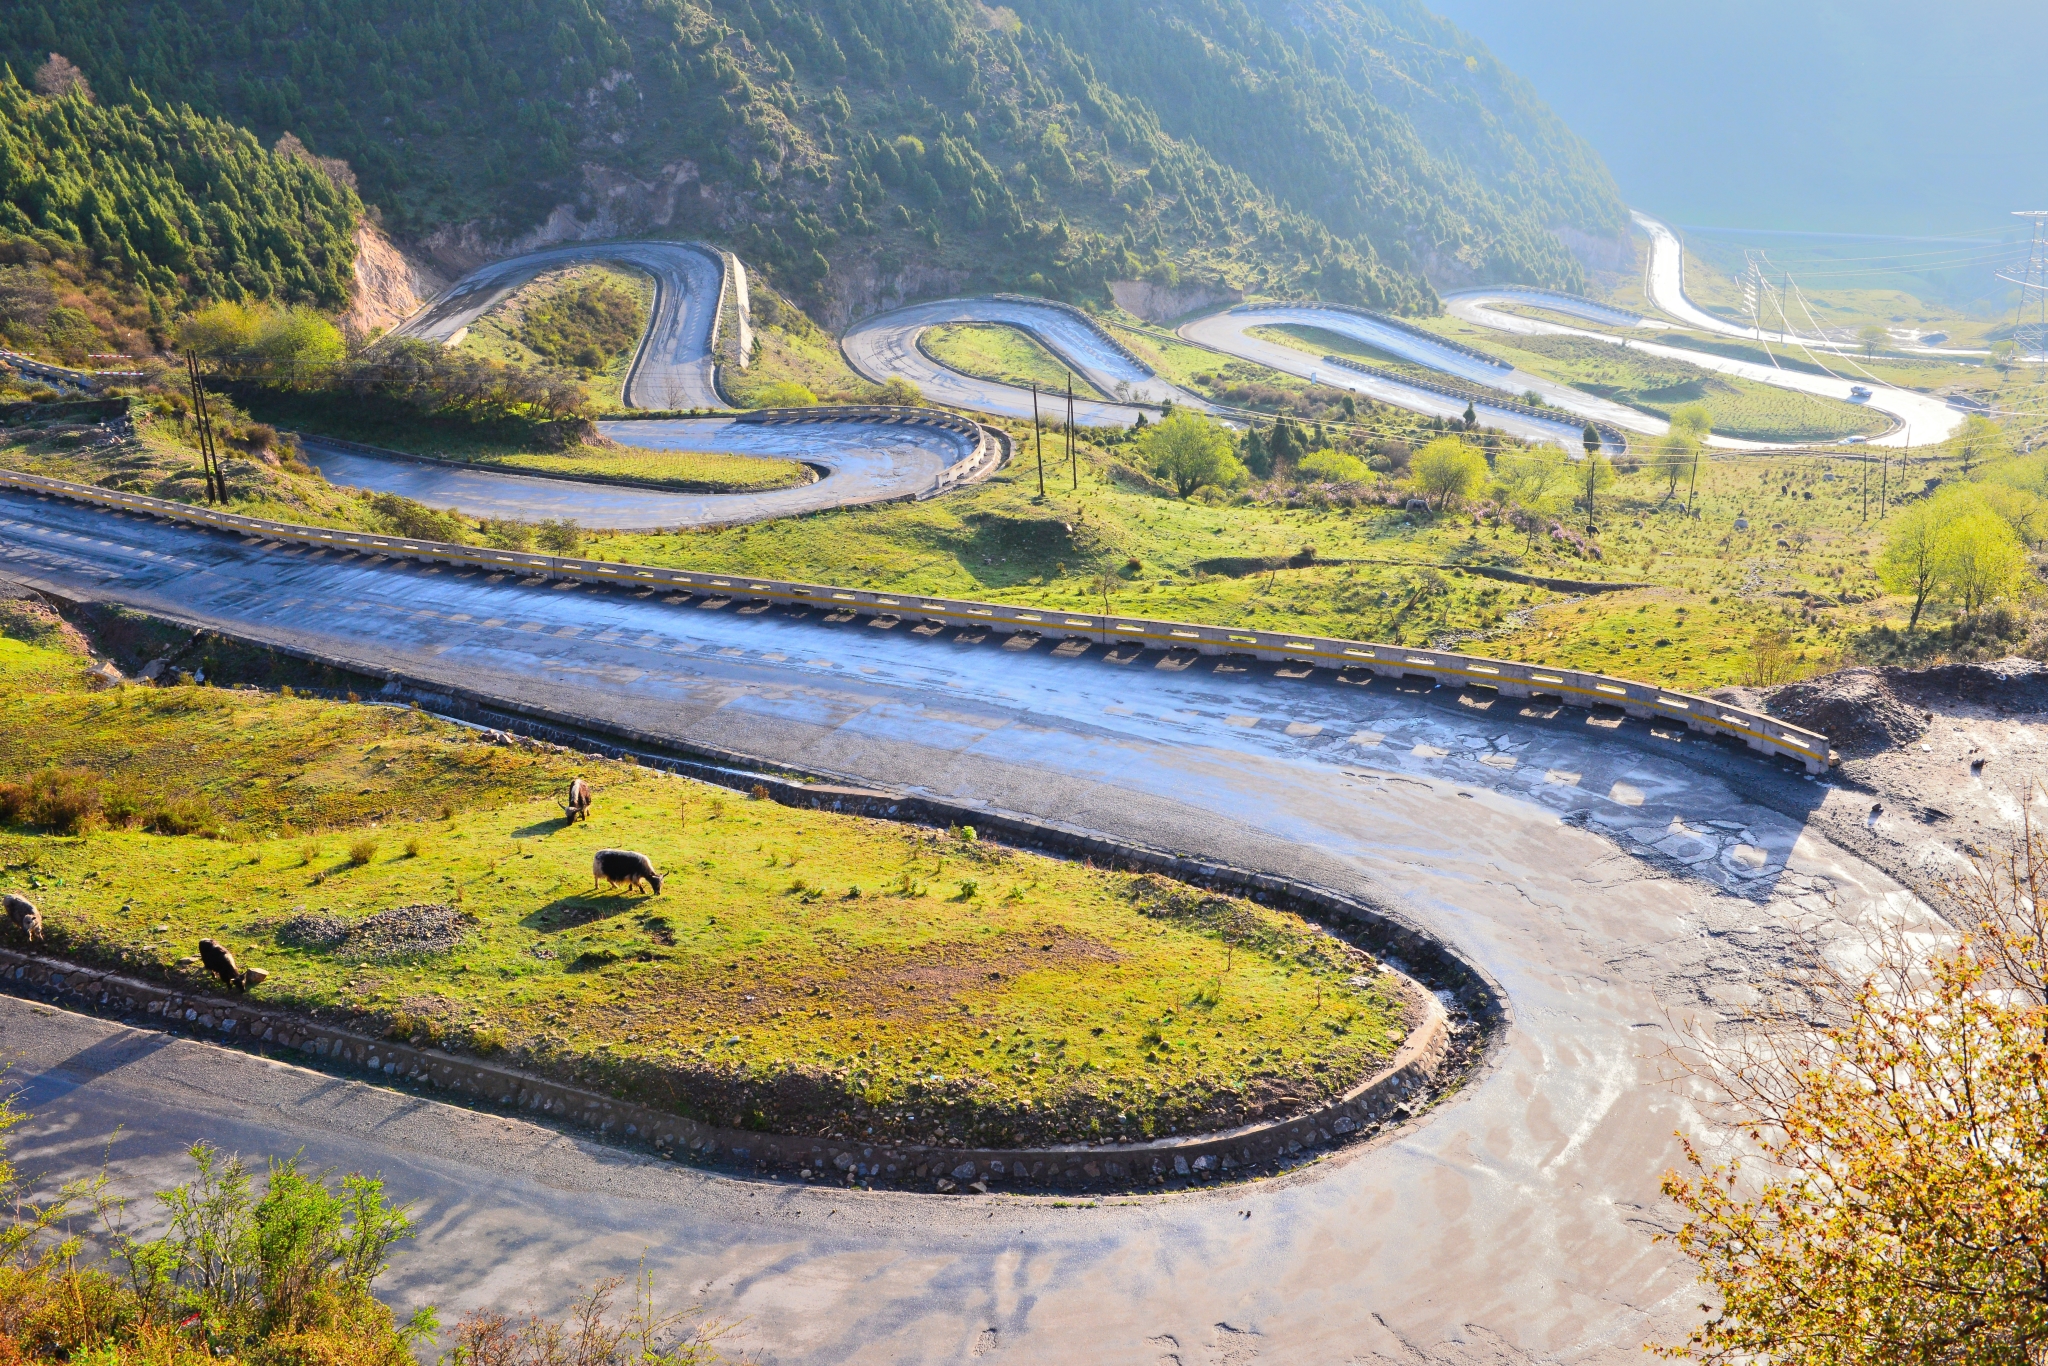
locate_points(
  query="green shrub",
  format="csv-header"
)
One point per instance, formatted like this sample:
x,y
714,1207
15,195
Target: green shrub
x,y
588,325
362,850
184,816
1334,467
64,800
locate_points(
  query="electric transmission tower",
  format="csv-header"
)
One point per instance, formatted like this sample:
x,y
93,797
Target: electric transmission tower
x,y
2030,327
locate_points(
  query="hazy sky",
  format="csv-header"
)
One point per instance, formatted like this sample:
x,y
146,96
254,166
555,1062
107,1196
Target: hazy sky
x,y
1879,116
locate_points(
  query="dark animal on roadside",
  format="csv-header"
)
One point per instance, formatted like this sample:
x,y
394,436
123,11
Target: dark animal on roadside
x,y
25,916
579,801
216,959
618,866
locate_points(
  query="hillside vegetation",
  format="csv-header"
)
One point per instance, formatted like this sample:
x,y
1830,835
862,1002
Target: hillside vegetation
x,y
113,219
854,146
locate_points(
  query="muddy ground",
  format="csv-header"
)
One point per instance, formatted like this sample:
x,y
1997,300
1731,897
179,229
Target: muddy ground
x,y
1935,764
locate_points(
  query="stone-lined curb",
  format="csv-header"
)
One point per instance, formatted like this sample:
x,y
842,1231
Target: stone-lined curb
x,y
1388,1095
1396,1091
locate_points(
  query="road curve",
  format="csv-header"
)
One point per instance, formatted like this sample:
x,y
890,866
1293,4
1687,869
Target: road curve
x,y
1918,418
861,462
1230,333
885,347
1665,282
674,367
1609,875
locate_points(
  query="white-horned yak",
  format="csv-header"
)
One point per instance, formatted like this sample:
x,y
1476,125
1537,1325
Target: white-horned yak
x,y
579,801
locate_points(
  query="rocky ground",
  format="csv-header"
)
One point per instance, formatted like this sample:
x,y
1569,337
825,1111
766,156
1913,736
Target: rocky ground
x,y
1936,765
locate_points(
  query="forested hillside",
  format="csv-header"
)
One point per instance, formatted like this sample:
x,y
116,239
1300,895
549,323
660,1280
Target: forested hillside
x,y
114,219
860,148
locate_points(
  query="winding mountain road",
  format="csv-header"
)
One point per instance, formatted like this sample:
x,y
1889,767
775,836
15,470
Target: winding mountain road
x,y
1231,333
1919,419
885,347
1610,875
674,366
861,462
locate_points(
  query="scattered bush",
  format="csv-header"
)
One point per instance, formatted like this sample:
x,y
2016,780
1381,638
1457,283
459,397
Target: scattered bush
x,y
362,850
64,800
588,325
560,538
786,394
1334,467
183,816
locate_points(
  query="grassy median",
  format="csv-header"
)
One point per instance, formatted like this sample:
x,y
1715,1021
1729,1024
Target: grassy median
x,y
801,971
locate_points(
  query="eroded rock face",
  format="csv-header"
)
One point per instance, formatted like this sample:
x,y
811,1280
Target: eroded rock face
x,y
390,285
610,204
865,286
1157,303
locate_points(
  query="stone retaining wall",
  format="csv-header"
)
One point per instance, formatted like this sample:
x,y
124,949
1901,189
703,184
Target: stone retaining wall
x,y
1391,1095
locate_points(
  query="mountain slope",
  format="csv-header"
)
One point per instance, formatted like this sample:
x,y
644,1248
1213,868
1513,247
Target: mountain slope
x,y
116,218
865,149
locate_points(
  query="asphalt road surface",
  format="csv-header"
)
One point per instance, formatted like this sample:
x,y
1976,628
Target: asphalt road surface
x,y
674,367
885,347
1612,877
863,463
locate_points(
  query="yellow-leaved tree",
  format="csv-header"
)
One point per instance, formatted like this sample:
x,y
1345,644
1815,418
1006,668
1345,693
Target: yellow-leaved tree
x,y
1447,468
1893,1207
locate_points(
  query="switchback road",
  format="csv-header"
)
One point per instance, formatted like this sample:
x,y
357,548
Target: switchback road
x,y
861,462
1612,877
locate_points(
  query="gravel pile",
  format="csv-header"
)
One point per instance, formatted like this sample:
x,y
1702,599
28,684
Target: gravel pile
x,y
1859,710
2008,686
419,931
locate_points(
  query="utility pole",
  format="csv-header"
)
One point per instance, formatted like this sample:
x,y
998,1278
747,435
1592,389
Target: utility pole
x,y
2033,285
1038,439
1693,487
1073,459
209,459
1884,474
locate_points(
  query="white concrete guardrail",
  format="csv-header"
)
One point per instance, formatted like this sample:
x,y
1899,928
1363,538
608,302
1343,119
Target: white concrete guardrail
x,y
1087,319
1610,434
1385,320
1764,733
1538,298
90,379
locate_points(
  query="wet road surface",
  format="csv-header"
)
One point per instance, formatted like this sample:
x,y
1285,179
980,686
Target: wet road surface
x,y
1607,882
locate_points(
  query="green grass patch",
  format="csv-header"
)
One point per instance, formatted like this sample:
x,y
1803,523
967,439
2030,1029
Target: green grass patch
x,y
1004,354
1316,341
1743,408
1247,384
684,471
802,971
583,322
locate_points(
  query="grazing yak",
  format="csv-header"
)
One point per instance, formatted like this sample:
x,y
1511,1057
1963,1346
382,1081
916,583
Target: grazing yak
x,y
221,963
25,916
578,803
618,866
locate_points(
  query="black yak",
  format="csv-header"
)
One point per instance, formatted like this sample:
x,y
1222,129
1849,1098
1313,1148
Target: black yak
x,y
618,866
25,916
579,801
221,963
